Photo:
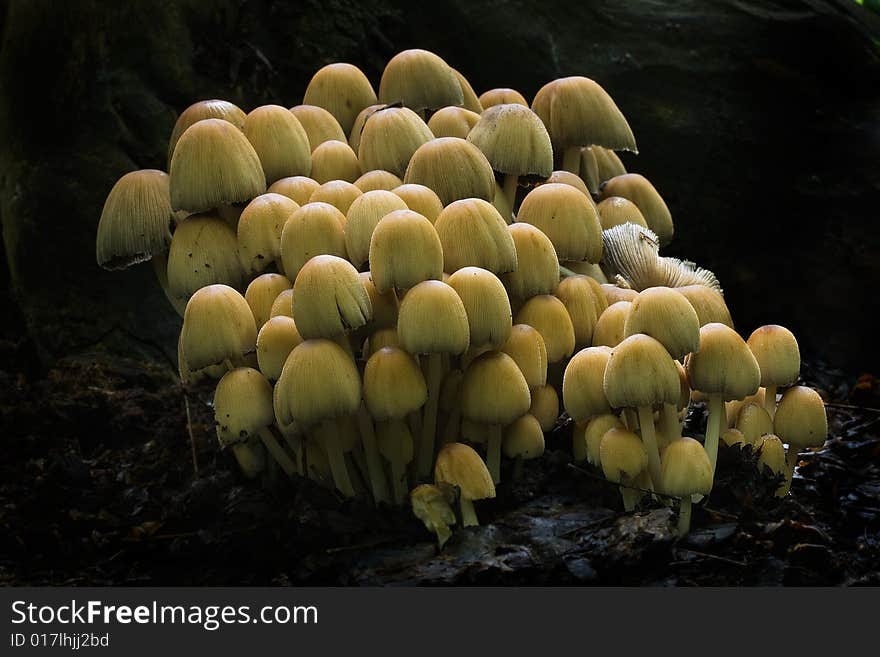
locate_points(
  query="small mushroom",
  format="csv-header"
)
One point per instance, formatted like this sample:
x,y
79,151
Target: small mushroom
x,y
432,505
280,141
686,472
623,458
459,465
319,124
343,90
779,357
523,441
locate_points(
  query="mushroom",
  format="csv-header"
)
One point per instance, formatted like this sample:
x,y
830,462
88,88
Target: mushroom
x,y
474,234
779,357
453,122
459,465
389,138
469,96
319,124
614,293
259,232
686,472
526,346
583,384
708,303
335,160
753,422
568,218
800,421
568,178
432,505
354,136
385,306
622,456
639,190
486,304
261,294
589,169
296,188
276,339
204,109
315,229
616,210
280,142
330,298
218,328
341,89
549,316
608,164
421,81
523,441
338,193
545,406
283,305
204,251
502,96
404,251
421,199
589,443
583,299
454,168
376,180
537,270
771,455
610,329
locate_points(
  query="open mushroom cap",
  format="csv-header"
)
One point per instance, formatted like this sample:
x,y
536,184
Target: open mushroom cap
x,y
343,90
316,228
280,142
610,327
487,306
526,346
276,339
420,80
523,439
474,234
393,384
724,364
549,316
585,303
638,189
378,179
205,109
666,316
404,251
389,138
204,251
330,298
459,465
800,418
433,320
296,188
319,124
421,199
537,267
686,469
640,372
583,384
595,430
453,122
514,140
242,405
494,390
217,325
454,168
622,455
567,217
778,355
259,231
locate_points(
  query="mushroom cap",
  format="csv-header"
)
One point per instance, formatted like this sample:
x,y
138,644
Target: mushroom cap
x,y
800,418
470,100
583,384
431,505
389,138
319,382
493,390
514,140
259,230
217,325
638,189
772,454
204,251
297,188
487,306
319,124
537,267
330,298
280,141
354,135
724,364
454,168
377,179
622,455
708,303
420,79
379,340
588,169
393,384
616,210
135,221
526,346
666,316
685,387
363,216
549,316
733,407
204,109
242,405
753,422
523,439
640,372
734,437
432,320
567,217
385,306
608,164
338,193
568,178
614,293
631,252
314,229
283,305
261,294
459,465
685,469
343,90
545,406
595,430
214,164
276,339
583,299
610,327
404,251
335,160
502,96
778,355
473,233
421,199
452,122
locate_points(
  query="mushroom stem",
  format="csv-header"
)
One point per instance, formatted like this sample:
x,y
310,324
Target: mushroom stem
x,y
375,471
160,266
649,438
277,452
429,426
468,514
493,452
631,497
713,428
684,516
791,460
631,419
249,459
328,435
770,400
398,480
571,160
510,181
450,433
670,427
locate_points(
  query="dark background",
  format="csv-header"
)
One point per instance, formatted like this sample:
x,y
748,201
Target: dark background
x,y
759,122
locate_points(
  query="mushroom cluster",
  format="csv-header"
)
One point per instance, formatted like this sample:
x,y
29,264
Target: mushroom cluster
x,y
381,282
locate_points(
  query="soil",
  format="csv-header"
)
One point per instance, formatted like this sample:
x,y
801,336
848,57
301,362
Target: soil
x,y
98,488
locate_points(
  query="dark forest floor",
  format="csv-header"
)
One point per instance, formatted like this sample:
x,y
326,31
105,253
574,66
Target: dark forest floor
x,y
97,488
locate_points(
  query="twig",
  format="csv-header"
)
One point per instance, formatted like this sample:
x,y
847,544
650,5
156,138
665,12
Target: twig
x,y
851,407
706,555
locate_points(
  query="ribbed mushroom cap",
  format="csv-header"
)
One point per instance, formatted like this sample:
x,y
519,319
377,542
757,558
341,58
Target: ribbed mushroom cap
x,y
595,430
549,316
616,210
588,169
583,299
452,122
640,372
526,346
404,251
666,316
259,231
319,124
494,390
283,305
487,306
275,341
136,219
338,193
579,112
800,418
514,140
632,252
502,96
420,80
708,303
296,188
421,199
684,387
724,364
242,405
204,109
568,178
389,138
433,320
217,325
610,327
341,89
314,229
459,465
261,294
319,382
523,439
330,298
385,306
473,233
335,160
608,164
686,469
545,406
280,142
204,251
772,455
377,180
214,164
778,355
639,190
379,340
454,168
470,100
753,422
567,217
394,385
733,407
354,137
613,293
622,455
583,384
363,216
537,269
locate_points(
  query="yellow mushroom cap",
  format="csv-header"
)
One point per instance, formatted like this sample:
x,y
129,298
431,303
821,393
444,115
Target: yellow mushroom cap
x,y
523,439
640,372
487,306
733,437
616,210
588,169
404,251
613,293
319,124
217,325
772,455
567,217
708,303
377,179
379,340
666,316
354,135
585,303
420,80
583,384
610,327
431,505
433,319
800,418
639,190
537,267
275,341
330,298
724,364
205,109
259,230
514,140
685,469
493,390
526,346
280,141
545,406
569,178
297,188
341,89
393,384
204,251
242,405
473,233
454,168
385,306
452,122
549,316
471,102
314,229
389,138
622,455
459,465
421,199
778,355
335,160
594,431
261,294
753,422
283,305
501,96
608,164
341,194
